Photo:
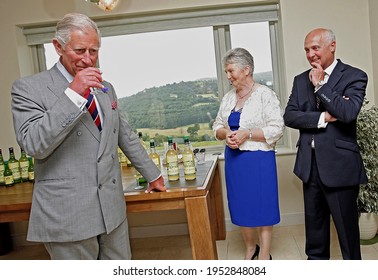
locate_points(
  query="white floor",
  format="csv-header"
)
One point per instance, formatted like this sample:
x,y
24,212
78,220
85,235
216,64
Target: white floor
x,y
288,244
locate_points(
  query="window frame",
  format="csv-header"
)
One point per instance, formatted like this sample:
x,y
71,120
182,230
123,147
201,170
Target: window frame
x,y
218,17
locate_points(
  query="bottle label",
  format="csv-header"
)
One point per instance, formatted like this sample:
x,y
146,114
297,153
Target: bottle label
x,y
172,168
156,161
172,165
172,159
187,157
31,175
15,167
189,167
2,180
9,180
24,166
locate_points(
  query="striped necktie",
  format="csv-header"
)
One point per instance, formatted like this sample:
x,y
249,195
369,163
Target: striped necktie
x,y
92,109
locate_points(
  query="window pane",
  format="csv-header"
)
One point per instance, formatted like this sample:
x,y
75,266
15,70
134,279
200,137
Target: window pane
x,y
254,37
166,82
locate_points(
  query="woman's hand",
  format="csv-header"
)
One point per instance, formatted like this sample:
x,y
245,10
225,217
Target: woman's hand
x,y
236,138
231,141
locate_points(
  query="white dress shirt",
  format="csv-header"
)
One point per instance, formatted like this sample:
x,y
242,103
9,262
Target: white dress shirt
x,y
327,72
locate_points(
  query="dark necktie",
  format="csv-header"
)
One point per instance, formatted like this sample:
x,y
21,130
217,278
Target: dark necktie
x,y
92,109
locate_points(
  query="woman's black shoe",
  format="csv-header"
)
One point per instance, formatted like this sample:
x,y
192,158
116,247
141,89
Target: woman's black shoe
x,y
256,253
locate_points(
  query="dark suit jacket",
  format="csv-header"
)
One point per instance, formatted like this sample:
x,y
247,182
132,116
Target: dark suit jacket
x,y
336,149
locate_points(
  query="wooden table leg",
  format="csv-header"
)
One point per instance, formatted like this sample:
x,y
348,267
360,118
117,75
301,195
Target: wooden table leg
x,y
216,207
202,237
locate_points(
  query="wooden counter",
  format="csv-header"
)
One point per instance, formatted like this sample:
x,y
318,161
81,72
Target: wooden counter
x,y
201,199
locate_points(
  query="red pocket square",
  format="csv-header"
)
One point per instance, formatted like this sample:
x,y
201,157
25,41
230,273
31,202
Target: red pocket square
x,y
114,105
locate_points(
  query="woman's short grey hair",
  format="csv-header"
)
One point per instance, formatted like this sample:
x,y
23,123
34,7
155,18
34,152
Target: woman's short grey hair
x,y
71,22
239,56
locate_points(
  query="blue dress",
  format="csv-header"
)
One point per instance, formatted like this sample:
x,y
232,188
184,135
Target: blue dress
x,y
252,185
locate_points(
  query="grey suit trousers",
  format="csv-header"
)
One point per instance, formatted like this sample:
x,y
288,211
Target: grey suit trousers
x,y
112,246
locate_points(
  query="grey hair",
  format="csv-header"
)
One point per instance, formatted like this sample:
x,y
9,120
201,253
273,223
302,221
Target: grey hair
x,y
329,36
239,56
71,22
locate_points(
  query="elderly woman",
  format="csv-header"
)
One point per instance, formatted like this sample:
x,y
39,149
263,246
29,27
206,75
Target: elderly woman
x,y
250,121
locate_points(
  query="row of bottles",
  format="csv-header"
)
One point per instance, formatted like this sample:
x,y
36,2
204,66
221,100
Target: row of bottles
x,y
171,159
14,171
125,161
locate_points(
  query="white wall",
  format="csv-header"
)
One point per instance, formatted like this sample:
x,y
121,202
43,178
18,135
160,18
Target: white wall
x,y
373,19
349,19
354,22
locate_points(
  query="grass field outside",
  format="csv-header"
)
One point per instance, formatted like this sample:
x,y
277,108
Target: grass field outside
x,y
178,134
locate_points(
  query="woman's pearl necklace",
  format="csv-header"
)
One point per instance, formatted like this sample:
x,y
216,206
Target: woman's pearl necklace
x,y
241,97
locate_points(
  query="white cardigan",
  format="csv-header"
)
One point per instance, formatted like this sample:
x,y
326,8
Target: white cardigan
x,y
261,110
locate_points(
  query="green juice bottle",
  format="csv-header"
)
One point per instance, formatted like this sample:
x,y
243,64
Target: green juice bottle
x,y
153,154
31,170
2,167
8,175
171,159
14,165
24,166
188,161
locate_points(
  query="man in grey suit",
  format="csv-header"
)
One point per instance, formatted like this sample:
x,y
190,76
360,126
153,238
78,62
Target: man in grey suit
x,y
78,208
324,106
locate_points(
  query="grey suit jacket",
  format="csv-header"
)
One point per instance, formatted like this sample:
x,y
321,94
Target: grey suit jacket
x,y
78,190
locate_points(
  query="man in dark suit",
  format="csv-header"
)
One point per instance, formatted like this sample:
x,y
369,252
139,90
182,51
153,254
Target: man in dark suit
x,y
78,209
324,105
